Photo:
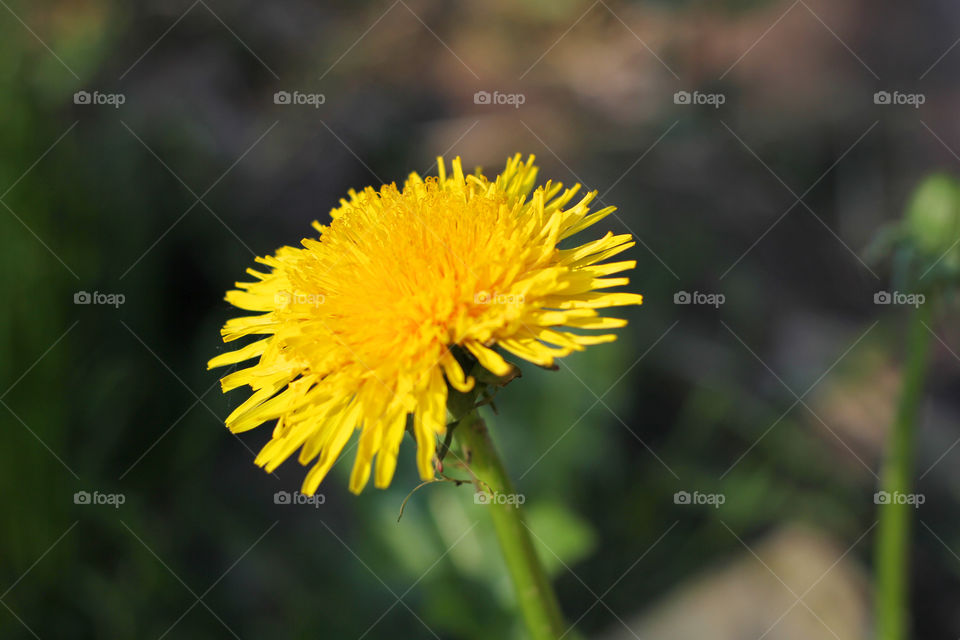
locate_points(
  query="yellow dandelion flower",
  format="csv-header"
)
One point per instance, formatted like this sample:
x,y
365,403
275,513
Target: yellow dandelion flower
x,y
360,322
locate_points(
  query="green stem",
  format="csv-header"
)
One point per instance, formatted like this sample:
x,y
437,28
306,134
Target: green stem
x,y
893,535
534,593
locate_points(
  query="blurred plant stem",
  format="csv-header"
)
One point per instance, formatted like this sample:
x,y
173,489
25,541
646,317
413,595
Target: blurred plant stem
x,y
535,595
893,537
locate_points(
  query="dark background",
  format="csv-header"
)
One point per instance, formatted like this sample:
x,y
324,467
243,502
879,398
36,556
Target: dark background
x,y
778,400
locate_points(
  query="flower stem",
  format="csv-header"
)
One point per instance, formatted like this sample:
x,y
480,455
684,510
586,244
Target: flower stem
x,y
893,536
534,593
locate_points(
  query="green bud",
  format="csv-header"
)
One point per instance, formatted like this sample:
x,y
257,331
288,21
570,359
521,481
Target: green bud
x,y
932,223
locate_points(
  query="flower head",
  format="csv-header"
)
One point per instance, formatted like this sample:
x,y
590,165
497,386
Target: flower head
x,y
361,324
932,222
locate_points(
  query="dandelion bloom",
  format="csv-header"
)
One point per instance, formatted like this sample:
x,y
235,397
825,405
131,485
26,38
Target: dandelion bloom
x,y
362,323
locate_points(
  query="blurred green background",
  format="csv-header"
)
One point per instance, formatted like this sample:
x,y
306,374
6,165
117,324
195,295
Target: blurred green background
x,y
778,399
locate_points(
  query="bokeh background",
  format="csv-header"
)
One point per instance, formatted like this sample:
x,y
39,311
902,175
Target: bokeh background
x,y
777,400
